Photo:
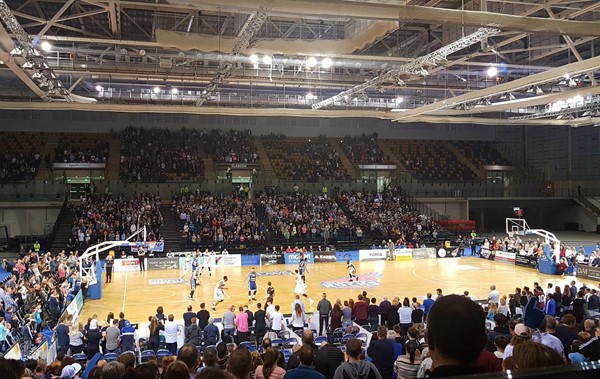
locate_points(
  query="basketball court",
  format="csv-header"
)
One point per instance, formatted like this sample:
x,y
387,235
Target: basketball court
x,y
131,292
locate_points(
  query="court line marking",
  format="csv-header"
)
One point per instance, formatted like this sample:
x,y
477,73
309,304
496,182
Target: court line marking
x,y
124,292
334,277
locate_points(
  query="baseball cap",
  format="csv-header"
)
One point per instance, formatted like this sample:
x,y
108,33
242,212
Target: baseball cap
x,y
69,372
521,330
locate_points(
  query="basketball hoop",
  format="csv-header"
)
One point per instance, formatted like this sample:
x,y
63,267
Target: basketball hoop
x,y
511,235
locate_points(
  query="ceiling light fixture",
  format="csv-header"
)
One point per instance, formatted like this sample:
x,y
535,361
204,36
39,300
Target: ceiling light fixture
x,y
254,58
156,90
99,88
311,62
309,96
46,46
174,91
399,99
326,63
492,71
267,59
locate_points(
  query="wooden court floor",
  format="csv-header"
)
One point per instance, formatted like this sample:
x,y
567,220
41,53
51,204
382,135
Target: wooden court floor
x,y
131,293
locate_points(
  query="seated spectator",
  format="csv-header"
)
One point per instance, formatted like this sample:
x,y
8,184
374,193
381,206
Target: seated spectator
x,y
188,354
500,343
321,363
269,368
407,365
305,370
354,367
455,318
529,355
381,352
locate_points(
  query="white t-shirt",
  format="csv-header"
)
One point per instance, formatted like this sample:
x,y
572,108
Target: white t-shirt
x,y
494,297
171,330
277,321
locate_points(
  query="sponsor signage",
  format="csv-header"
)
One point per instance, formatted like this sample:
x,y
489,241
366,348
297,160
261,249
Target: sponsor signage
x,y
271,259
505,257
157,247
364,281
162,263
372,255
403,254
423,253
275,273
343,256
127,264
588,272
160,282
526,261
227,260
75,165
486,254
324,256
181,261
294,258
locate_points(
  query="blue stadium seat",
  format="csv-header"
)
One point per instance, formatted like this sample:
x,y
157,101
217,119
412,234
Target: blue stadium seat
x,y
163,353
147,354
277,342
79,357
289,342
109,357
319,340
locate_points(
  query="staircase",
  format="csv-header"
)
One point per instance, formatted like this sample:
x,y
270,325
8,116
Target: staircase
x,y
62,230
169,231
393,158
461,157
269,171
45,173
113,166
353,171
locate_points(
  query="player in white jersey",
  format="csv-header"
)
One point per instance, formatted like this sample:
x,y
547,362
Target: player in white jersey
x,y
351,271
219,292
187,264
300,288
206,263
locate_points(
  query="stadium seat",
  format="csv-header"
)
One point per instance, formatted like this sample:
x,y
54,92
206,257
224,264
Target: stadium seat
x,y
248,345
347,337
338,334
277,342
319,340
362,336
289,342
162,353
146,355
109,357
80,358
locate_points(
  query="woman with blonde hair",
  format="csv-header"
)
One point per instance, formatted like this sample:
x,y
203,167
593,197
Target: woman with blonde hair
x,y
269,369
492,311
76,338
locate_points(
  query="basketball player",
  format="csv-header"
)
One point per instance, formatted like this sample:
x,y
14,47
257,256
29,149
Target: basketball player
x,y
187,264
302,265
301,287
206,263
219,292
251,278
195,262
351,271
270,291
193,283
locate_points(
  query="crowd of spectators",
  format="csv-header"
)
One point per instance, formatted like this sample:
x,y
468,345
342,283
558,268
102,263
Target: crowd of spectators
x,y
100,218
305,217
364,149
389,215
38,291
305,160
18,166
81,149
157,155
220,221
232,146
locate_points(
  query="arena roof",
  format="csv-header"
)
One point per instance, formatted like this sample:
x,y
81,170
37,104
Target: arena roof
x,y
484,61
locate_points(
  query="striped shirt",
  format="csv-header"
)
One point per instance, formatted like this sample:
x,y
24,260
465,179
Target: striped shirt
x,y
406,370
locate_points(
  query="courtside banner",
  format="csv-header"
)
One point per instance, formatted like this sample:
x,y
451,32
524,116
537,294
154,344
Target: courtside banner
x,y
526,261
372,255
344,256
403,254
227,260
324,256
162,263
505,257
200,259
424,253
271,259
588,272
127,264
294,258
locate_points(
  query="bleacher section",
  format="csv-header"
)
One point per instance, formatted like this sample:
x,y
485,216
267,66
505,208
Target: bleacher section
x,y
302,159
81,148
20,156
364,150
430,160
481,153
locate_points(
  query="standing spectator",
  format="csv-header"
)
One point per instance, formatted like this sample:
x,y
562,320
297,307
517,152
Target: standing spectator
x,y
154,337
260,325
127,337
76,338
346,315
455,318
187,316
354,367
93,339
373,313
203,315
111,335
62,334
241,325
405,316
211,333
567,332
361,311
427,303
54,306
193,333
336,316
381,352
298,319
393,318
172,330
417,316
384,308
305,370
277,320
269,368
578,307
228,325
334,355
324,308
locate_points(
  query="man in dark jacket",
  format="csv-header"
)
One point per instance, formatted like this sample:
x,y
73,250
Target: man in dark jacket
x,y
187,316
202,316
361,311
321,363
384,307
211,334
381,352
501,328
193,333
324,308
260,327
354,367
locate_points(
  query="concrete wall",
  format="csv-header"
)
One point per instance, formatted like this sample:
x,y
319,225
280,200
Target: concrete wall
x,y
31,218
